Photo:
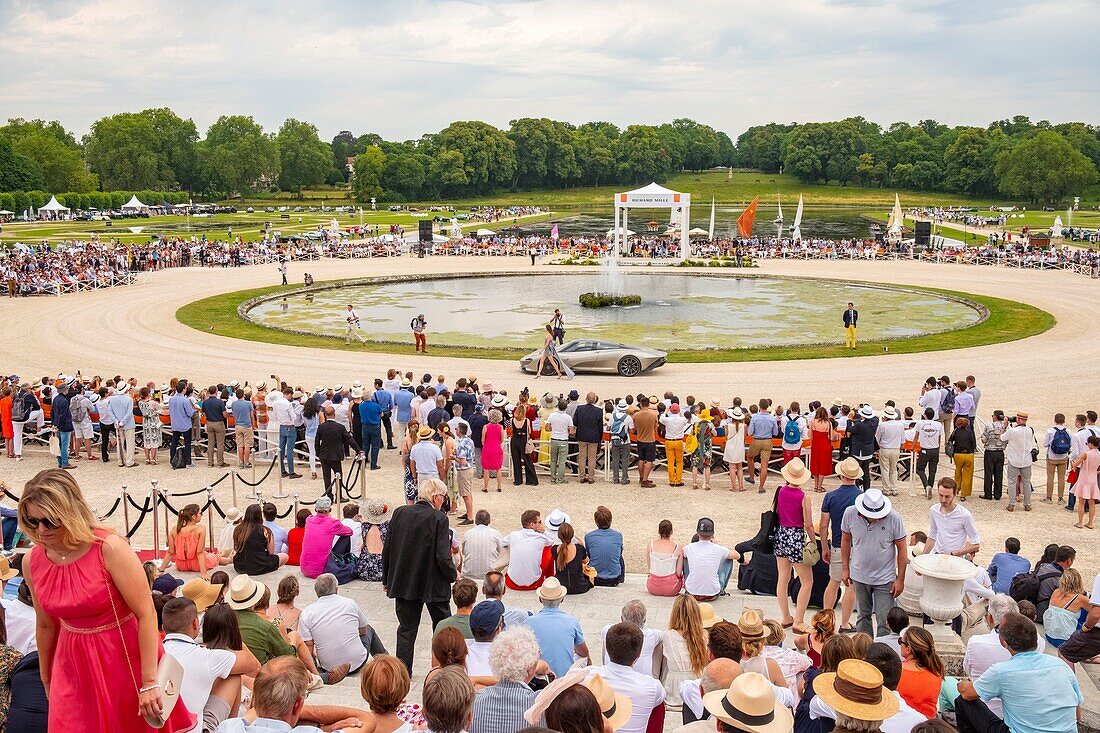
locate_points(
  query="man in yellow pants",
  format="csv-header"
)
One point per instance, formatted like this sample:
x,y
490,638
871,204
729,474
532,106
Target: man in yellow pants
x,y
675,426
850,317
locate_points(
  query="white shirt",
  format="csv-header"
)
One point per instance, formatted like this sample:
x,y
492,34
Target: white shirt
x,y
982,652
651,639
20,621
341,413
978,587
1019,440
675,425
802,427
332,623
481,547
477,658
645,693
559,422
900,722
932,398
692,695
422,411
425,456
454,423
201,668
225,539
890,434
1050,437
525,555
929,433
951,531
356,535
282,412
704,560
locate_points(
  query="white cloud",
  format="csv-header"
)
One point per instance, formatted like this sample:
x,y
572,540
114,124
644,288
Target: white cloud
x,y
406,68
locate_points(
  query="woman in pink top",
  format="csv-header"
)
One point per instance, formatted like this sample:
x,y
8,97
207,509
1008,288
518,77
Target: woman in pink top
x,y
796,526
321,529
187,545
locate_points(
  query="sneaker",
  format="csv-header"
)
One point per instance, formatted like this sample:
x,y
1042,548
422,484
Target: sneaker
x,y
750,480
465,522
338,673
294,475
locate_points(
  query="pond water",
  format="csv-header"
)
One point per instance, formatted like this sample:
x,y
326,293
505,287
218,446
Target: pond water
x,y
678,311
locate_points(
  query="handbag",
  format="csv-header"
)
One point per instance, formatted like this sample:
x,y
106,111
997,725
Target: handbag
x,y
764,541
811,551
55,446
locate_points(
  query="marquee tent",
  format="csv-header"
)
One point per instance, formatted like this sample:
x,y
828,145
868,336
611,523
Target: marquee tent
x,y
53,209
653,196
134,204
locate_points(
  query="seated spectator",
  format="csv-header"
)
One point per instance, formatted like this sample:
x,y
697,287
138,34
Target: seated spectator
x,y
254,546
822,628
857,695
317,544
374,530
336,630
384,684
791,662
666,563
202,593
753,638
278,696
286,613
353,521
605,550
271,521
590,707
836,650
707,566
647,695
19,620
464,594
652,656
922,671
1049,574
882,658
1069,606
514,661
571,565
684,646
985,650
750,698
448,650
295,536
494,588
1007,565
530,559
211,686
481,548
897,620
559,634
448,701
486,622
717,675
1037,691
29,709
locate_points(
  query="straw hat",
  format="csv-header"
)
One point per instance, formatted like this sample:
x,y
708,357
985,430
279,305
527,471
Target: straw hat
x,y
838,402
7,572
856,690
499,400
751,624
867,412
556,519
889,413
244,593
716,404
708,616
737,413
202,592
357,393
377,511
750,705
406,383
233,515
548,400
849,468
616,707
552,590
425,433
795,472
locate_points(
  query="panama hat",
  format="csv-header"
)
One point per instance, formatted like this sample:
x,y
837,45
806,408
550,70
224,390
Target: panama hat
x,y
615,706
867,412
552,590
94,399
795,472
338,388
232,515
751,624
357,393
838,402
708,616
872,504
750,705
7,572
244,593
377,511
621,405
737,413
849,468
406,382
261,386
556,519
424,433
890,413
202,592
548,400
499,400
856,690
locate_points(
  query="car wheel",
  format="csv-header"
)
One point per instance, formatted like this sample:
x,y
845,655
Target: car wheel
x,y
629,366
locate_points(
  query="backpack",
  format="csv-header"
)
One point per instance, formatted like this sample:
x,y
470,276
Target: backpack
x,y
1060,443
19,408
792,433
1025,586
618,430
947,404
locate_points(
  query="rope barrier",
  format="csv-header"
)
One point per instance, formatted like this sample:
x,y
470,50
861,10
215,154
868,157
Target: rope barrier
x,y
266,474
134,504
113,509
217,507
287,513
145,509
223,478
177,494
11,496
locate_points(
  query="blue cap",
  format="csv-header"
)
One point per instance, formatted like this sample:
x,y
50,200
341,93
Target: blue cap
x,y
167,584
486,616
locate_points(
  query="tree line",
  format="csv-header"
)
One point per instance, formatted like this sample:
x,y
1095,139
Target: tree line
x,y
157,150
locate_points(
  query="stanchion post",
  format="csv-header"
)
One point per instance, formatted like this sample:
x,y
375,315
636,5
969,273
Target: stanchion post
x,y
233,484
362,477
296,495
279,485
338,495
155,494
126,509
210,518
606,460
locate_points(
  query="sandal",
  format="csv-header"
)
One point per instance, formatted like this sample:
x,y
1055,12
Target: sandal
x,y
801,629
787,624
706,487
1089,526
485,491
1079,526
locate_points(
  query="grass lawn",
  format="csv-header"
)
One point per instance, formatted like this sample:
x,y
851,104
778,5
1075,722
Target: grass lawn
x,y
1007,321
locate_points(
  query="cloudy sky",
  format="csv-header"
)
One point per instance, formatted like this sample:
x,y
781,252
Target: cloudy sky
x,y
405,68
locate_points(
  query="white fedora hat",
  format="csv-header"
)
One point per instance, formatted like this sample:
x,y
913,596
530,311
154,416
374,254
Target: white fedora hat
x,y
872,504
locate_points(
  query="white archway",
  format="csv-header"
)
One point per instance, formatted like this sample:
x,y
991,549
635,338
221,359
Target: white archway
x,y
653,196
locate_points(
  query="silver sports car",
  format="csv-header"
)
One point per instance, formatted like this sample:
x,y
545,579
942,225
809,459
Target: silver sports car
x,y
584,355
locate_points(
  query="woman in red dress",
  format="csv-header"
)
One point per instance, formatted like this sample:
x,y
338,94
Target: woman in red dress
x,y
821,448
98,651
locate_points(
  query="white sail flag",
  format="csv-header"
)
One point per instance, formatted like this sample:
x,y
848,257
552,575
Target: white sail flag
x,y
893,226
796,228
710,233
779,219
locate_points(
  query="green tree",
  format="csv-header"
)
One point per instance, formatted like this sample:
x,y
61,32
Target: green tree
x,y
17,172
595,144
763,147
1085,138
865,168
177,146
370,165
488,155
1043,168
151,149
405,172
236,157
642,155
448,173
304,159
967,166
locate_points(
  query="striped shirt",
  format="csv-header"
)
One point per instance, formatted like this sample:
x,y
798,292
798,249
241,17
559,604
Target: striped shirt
x,y
500,708
480,549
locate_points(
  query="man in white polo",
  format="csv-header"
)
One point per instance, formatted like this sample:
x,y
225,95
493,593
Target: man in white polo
x,y
335,629
874,553
529,558
952,530
707,566
1019,443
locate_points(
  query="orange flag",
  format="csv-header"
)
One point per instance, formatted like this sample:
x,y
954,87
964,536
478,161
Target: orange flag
x,y
744,222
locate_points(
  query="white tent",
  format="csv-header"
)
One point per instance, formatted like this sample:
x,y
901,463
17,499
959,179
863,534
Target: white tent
x,y
134,204
53,206
485,233
654,196
697,232
626,233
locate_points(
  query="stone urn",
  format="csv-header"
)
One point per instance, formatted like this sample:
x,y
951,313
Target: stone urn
x,y
909,600
942,594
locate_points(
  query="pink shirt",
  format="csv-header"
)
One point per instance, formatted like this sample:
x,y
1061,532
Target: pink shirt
x,y
317,542
790,506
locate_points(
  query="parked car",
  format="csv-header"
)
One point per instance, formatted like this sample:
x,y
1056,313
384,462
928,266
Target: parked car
x,y
607,357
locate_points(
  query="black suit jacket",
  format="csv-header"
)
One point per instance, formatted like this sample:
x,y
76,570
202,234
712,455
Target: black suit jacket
x,y
850,318
332,437
416,559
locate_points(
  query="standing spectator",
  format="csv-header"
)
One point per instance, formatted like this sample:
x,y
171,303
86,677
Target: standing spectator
x,y
794,533
763,427
1019,442
417,569
81,408
106,422
675,425
384,398
61,418
151,426
216,416
180,410
619,429
1007,565
1058,444
478,420
993,457
829,531
874,555
336,630
605,548
890,437
961,445
333,443
244,414
481,547
282,414
120,407
370,414
862,435
24,406
588,421
561,428
464,470
951,526
514,658
707,566
489,456
1086,489
645,429
559,634
426,458
929,435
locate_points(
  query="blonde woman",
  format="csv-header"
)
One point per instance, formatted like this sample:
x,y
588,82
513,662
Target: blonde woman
x,y
684,646
97,629
1069,605
187,545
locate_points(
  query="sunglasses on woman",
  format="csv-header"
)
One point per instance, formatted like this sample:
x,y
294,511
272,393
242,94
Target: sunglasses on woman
x,y
35,523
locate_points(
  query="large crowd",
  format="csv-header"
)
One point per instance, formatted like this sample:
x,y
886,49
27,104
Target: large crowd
x,y
862,663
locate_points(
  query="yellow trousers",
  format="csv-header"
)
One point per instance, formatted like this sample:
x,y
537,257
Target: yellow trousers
x,y
964,472
850,337
674,450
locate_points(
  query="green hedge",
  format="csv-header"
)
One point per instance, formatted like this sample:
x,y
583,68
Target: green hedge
x,y
599,300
